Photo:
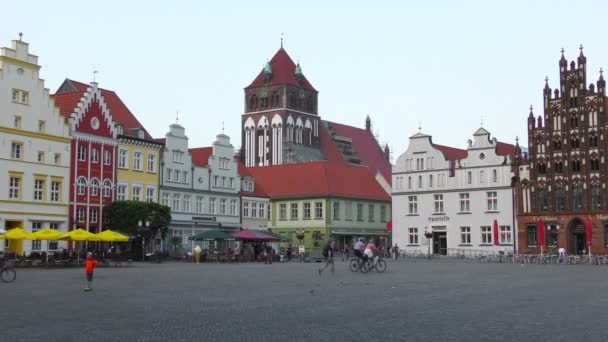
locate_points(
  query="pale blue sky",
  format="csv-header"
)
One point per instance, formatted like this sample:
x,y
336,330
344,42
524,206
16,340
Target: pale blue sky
x,y
444,63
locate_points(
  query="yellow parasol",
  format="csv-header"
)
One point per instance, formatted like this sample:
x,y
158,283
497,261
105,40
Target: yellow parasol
x,y
18,234
48,234
79,235
110,236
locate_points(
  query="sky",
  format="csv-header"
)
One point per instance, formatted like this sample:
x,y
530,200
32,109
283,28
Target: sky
x,y
446,66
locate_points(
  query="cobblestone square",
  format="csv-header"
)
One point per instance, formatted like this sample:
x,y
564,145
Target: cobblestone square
x,y
438,300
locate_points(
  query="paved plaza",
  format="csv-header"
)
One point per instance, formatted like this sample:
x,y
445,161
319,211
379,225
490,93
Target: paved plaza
x,y
437,300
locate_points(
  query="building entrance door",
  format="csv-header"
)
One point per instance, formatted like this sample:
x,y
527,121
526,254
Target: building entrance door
x,y
440,243
576,237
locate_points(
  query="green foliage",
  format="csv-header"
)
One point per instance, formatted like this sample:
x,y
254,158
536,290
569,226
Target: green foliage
x,y
124,216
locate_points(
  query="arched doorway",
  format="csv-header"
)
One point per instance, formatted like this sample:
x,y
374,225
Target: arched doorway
x,y
576,236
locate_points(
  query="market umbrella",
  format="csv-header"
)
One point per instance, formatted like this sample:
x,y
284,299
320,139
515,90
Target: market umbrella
x,y
496,242
47,234
588,227
252,235
110,236
213,235
541,234
79,235
17,234
2,231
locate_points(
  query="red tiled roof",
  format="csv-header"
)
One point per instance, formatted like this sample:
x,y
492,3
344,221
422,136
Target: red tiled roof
x,y
283,72
200,155
504,149
328,146
318,179
161,140
451,153
258,189
120,113
366,146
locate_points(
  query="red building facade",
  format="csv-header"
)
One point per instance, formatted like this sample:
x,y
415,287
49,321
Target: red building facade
x,y
564,182
93,156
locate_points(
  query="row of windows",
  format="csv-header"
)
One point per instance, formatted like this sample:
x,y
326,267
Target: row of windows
x,y
306,209
542,198
485,235
138,161
21,96
43,190
464,203
94,186
420,163
196,204
252,209
440,180
137,193
17,154
18,124
92,218
94,155
551,236
574,119
594,165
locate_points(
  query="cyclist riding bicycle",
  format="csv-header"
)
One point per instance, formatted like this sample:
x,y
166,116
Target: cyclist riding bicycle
x,y
359,248
370,249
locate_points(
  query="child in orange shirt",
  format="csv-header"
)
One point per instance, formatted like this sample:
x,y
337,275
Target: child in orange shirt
x,y
89,266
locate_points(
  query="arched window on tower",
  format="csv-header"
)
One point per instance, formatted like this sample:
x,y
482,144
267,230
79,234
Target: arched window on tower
x,y
593,140
559,167
560,200
576,165
557,144
577,198
595,163
595,198
310,104
575,142
542,200
253,103
573,121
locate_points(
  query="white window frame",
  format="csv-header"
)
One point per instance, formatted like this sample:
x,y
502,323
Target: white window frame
x,y
211,205
245,208
186,204
465,235
82,153
200,204
136,192
336,210
492,200
413,235
150,193
81,185
506,236
94,155
151,161
107,157
412,205
123,158
438,204
121,192
93,215
138,158
486,235
465,202
318,210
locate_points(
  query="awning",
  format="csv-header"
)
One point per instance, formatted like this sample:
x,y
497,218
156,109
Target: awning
x,y
283,238
213,235
360,233
252,235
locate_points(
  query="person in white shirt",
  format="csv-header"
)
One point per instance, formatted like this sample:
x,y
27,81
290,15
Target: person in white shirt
x,y
562,254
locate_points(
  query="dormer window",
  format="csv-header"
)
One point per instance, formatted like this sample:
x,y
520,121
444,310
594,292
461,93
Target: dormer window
x,y
140,134
248,185
120,129
178,156
224,163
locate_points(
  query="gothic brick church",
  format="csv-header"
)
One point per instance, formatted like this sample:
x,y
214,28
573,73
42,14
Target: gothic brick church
x,y
564,183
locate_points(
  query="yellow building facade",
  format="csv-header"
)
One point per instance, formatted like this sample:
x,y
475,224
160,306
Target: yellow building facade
x,y
138,169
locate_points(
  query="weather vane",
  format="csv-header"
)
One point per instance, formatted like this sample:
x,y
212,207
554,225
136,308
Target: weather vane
x,y
20,35
95,72
177,116
281,39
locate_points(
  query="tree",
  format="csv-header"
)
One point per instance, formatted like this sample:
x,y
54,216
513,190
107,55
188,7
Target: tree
x,y
124,216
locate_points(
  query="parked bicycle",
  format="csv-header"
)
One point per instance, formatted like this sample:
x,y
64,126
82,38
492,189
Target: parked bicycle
x,y
7,273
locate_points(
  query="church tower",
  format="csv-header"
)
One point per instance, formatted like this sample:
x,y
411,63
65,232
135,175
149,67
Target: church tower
x,y
281,114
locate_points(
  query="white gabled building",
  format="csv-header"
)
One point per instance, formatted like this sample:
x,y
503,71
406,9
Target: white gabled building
x,y
455,195
34,153
200,185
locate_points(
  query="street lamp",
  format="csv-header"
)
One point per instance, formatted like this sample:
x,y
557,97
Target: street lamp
x,y
143,241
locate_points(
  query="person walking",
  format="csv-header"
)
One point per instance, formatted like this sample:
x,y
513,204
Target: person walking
x,y
562,254
89,266
395,252
328,254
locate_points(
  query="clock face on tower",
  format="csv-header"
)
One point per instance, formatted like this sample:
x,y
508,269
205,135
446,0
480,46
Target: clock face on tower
x,y
95,123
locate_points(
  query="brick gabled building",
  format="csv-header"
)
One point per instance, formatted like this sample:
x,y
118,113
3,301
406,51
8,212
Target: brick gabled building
x,y
565,181
93,155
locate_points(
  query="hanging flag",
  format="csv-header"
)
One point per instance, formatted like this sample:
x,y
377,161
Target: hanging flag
x,y
496,242
588,227
541,232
